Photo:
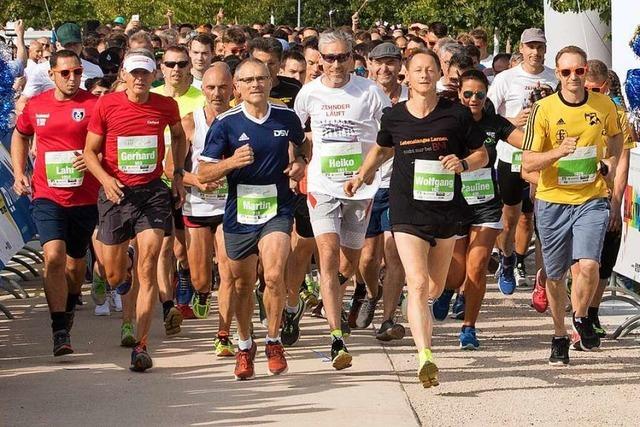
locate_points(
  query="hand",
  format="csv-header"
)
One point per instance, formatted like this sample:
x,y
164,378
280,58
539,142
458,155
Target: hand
x,y
351,187
615,217
177,191
169,14
21,185
19,28
355,19
242,157
79,163
568,145
113,190
295,169
451,162
208,186
611,174
220,16
522,117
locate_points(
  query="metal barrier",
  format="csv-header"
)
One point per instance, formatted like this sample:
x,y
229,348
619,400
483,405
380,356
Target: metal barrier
x,y
622,294
22,265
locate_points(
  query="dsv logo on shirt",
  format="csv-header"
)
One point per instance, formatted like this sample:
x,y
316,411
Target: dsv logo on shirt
x,y
280,132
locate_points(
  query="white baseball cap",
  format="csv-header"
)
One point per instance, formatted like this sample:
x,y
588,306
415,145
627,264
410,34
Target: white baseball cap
x,y
135,62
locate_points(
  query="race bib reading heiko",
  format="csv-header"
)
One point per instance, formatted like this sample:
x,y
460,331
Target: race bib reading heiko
x,y
340,161
256,204
516,161
60,170
431,182
137,154
580,167
477,186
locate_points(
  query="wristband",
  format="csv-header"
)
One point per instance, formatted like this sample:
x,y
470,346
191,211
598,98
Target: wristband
x,y
603,169
179,171
465,165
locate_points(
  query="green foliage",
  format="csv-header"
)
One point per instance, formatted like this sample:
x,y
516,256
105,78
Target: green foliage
x,y
603,7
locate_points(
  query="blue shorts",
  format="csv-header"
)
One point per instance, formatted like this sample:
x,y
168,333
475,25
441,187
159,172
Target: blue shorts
x,y
570,232
379,221
74,225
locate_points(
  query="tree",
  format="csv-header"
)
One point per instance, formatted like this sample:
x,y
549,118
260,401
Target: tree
x,y
603,7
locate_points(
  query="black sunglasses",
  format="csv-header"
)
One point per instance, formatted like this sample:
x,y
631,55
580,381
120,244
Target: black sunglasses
x,y
172,64
479,94
341,57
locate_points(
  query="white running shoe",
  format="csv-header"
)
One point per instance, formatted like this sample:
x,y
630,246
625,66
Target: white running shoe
x,y
103,310
115,301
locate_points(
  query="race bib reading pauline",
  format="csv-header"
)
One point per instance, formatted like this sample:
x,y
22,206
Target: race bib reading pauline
x,y
214,196
578,168
340,161
477,186
60,170
257,204
516,161
431,182
137,154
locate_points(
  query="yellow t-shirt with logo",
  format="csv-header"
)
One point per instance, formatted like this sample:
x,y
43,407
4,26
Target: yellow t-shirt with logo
x,y
574,179
627,135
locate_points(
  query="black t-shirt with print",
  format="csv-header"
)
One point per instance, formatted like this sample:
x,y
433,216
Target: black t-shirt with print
x,y
448,129
286,91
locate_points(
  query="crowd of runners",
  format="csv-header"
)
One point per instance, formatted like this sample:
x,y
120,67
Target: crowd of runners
x,y
284,165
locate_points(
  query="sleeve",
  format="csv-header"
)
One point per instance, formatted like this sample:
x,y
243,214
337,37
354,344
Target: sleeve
x,y
626,130
173,111
97,123
215,143
473,136
536,129
613,125
496,93
297,132
24,124
299,106
504,127
381,102
385,139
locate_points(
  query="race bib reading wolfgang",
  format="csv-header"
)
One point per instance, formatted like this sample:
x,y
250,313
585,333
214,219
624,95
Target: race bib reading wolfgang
x,y
340,161
214,196
516,161
580,167
477,186
60,170
431,182
256,204
137,154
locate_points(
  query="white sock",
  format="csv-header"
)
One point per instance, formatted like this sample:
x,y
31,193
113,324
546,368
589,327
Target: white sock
x,y
245,344
270,340
292,310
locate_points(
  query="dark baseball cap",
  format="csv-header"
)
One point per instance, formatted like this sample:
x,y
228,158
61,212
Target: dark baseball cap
x,y
110,60
69,33
385,50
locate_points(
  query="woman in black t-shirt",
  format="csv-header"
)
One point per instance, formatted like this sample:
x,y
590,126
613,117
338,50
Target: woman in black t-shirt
x,y
432,140
480,189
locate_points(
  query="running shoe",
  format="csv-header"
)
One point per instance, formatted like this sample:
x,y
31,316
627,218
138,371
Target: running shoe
x,y
318,310
261,309
559,351
584,336
186,311
356,302
275,358
290,333
124,287
441,304
340,357
344,324
102,310
223,346
127,339
62,343
539,299
468,340
390,330
506,279
367,310
457,309
200,304
115,301
140,359
184,287
173,321
98,290
244,363
600,332
428,373
521,276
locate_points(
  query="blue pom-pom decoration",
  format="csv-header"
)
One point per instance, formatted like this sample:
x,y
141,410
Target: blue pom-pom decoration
x,y
635,42
632,88
6,97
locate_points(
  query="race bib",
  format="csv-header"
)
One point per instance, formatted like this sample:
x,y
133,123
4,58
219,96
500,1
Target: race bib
x,y
60,170
477,186
214,196
431,182
137,154
580,167
340,161
256,204
516,161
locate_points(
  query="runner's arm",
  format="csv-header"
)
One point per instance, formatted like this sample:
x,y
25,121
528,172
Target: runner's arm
x,y
19,155
376,157
178,144
92,154
515,138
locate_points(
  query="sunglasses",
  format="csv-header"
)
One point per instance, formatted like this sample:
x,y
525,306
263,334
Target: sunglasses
x,y
172,64
479,94
67,73
237,51
580,71
258,79
341,57
596,89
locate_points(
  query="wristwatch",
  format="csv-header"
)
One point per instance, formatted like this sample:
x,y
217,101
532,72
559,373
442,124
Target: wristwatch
x,y
603,168
179,171
465,165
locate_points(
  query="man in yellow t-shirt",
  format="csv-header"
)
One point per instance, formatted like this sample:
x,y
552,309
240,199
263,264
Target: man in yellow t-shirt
x,y
564,141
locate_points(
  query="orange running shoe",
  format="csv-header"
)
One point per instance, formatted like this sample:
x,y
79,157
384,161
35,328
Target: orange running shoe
x,y
275,358
244,363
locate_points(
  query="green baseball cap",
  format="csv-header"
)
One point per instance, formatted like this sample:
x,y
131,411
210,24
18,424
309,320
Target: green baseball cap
x,y
69,33
119,20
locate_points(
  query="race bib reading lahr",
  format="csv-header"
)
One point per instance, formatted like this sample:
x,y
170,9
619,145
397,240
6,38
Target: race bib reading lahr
x,y
340,161
256,204
516,161
60,170
477,186
431,182
137,154
580,167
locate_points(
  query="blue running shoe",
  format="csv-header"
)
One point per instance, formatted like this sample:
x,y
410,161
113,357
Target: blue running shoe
x,y
124,287
507,279
441,305
184,290
468,340
457,310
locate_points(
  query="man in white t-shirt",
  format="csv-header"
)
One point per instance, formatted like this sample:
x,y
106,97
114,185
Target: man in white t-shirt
x,y
69,37
201,54
345,112
512,93
481,41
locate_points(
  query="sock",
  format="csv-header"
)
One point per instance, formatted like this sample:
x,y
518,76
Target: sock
x,y
508,261
166,306
244,344
72,299
424,355
58,321
342,279
336,334
361,291
592,313
292,310
202,297
520,258
269,340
